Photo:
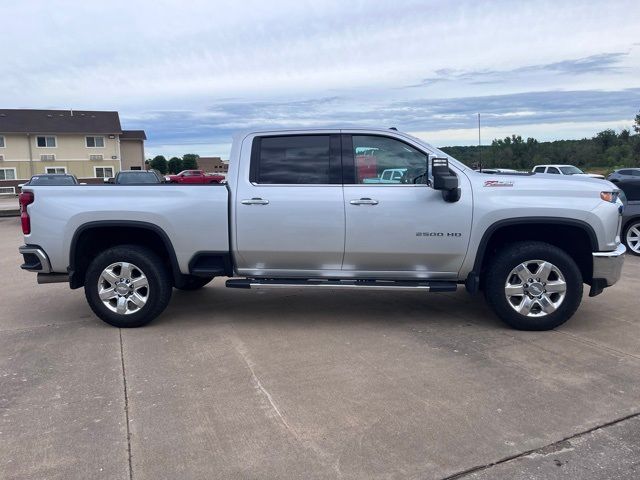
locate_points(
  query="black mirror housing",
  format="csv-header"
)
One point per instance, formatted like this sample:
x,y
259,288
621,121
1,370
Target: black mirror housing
x,y
444,180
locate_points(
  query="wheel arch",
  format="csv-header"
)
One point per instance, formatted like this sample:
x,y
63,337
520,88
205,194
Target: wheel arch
x,y
575,237
93,237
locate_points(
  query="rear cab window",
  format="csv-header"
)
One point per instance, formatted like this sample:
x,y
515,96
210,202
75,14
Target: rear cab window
x,y
295,160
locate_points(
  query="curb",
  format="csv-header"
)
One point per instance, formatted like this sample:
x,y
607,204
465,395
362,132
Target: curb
x,y
10,213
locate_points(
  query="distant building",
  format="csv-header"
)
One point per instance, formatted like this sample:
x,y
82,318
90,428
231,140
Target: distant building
x,y
213,165
88,144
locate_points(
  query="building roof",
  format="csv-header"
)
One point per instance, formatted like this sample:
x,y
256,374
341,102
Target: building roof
x,y
133,135
59,121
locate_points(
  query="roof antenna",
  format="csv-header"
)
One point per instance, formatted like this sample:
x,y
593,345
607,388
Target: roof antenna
x,y
479,146
71,112
393,128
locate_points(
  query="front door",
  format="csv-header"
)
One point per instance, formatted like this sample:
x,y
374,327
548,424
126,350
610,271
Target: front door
x,y
289,207
399,227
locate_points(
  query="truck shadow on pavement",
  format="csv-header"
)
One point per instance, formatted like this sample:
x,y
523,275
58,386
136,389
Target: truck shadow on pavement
x,y
216,304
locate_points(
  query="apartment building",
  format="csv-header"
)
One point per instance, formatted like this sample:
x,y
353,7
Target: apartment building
x,y
213,165
88,144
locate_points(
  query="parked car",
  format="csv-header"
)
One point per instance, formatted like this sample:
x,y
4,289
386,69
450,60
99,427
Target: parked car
x,y
630,195
194,177
51,179
624,174
390,175
137,177
564,170
296,213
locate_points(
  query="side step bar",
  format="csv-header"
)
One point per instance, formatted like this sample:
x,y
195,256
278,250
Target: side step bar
x,y
424,285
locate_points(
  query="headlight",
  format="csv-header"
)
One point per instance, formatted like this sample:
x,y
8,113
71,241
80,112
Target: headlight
x,y
610,197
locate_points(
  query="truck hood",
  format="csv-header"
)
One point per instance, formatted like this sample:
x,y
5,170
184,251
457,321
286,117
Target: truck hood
x,y
543,182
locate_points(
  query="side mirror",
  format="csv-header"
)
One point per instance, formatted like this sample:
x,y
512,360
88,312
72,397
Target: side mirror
x,y
444,180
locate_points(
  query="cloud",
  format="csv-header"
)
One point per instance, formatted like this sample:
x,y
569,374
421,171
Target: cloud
x,y
216,124
191,73
593,64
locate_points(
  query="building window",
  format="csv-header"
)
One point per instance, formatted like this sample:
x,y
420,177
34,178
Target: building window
x,y
103,172
46,142
55,170
7,173
95,142
2,144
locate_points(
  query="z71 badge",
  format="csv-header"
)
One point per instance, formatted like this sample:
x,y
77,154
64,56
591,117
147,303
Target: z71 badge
x,y
498,183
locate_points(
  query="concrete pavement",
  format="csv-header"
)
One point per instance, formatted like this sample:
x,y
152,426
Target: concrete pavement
x,y
9,206
292,384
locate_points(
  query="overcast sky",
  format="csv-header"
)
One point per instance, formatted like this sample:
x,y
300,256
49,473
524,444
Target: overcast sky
x,y
193,72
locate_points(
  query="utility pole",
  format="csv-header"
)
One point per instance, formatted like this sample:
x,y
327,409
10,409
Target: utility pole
x,y
479,146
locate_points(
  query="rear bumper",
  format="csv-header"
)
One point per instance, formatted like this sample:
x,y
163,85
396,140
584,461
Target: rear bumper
x,y
607,269
35,260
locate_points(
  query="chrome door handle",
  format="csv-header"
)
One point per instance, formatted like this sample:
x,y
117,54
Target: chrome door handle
x,y
364,201
255,201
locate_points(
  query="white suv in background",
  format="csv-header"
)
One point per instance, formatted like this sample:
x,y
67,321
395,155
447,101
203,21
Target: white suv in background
x,y
564,170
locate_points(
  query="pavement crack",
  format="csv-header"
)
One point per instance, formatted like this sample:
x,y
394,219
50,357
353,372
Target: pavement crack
x,y
605,348
559,446
320,453
126,406
240,348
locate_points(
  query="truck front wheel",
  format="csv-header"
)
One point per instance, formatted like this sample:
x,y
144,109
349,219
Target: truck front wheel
x,y
533,285
127,286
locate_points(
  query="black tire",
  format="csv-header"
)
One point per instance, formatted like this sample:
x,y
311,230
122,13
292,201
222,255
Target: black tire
x,y
192,282
498,272
147,262
635,223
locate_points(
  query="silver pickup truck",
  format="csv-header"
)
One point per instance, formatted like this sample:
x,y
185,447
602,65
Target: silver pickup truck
x,y
297,212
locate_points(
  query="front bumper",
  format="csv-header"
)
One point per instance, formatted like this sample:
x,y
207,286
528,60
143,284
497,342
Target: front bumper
x,y
607,269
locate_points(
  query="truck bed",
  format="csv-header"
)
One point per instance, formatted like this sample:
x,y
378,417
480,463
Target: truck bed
x,y
194,217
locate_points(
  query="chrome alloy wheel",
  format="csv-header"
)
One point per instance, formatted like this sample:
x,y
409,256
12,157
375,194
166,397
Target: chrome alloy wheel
x,y
633,237
535,288
123,288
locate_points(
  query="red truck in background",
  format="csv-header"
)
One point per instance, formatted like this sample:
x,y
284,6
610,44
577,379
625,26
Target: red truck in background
x,y
194,176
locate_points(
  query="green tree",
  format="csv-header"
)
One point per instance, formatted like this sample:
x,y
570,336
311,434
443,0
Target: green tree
x,y
636,124
175,165
624,135
606,138
190,161
159,163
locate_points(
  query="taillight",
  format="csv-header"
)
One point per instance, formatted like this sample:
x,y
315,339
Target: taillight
x,y
25,198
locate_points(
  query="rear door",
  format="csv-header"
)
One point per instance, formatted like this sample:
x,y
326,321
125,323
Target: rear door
x,y
400,228
289,206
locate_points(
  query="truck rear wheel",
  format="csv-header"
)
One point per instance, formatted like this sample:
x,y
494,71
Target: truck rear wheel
x,y
533,286
127,286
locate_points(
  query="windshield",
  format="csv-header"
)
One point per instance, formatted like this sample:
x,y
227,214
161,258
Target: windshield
x,y
52,180
128,178
570,170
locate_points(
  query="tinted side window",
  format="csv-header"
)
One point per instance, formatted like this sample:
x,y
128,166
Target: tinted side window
x,y
552,170
295,159
625,172
383,160
539,170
